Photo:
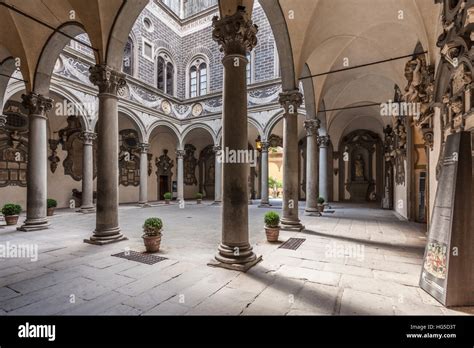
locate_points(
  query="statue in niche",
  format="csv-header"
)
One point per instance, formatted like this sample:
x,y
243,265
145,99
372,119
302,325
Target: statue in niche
x,y
359,168
190,163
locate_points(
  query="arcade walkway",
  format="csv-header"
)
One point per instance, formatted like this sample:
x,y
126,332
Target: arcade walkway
x,y
355,260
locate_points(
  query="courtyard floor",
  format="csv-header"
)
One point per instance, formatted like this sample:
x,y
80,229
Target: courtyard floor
x,y
355,260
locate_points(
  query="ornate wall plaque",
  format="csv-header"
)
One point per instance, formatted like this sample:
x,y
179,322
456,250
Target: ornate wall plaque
x,y
129,158
448,267
190,163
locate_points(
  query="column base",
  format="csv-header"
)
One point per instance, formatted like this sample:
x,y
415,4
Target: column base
x,y
242,262
144,204
34,225
312,212
264,205
291,225
109,236
86,210
216,203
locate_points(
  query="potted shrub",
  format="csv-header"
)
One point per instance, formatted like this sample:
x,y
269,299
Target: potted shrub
x,y
199,197
321,204
272,226
11,213
152,234
167,196
51,203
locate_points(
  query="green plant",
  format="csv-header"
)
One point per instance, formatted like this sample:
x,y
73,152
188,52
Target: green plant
x,y
52,203
168,195
272,219
274,183
11,209
152,226
321,200
199,195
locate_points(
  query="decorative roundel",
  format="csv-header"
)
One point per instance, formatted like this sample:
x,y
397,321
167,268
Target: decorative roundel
x,y
197,109
166,107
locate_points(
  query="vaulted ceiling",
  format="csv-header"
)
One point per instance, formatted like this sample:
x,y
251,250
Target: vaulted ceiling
x,y
327,35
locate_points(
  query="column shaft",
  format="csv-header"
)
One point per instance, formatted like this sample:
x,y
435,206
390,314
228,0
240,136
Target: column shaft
x,y
264,175
87,200
36,191
107,222
143,194
180,158
218,176
323,142
290,101
312,174
237,36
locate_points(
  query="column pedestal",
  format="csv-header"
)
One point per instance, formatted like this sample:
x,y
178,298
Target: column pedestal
x,y
37,170
107,223
290,101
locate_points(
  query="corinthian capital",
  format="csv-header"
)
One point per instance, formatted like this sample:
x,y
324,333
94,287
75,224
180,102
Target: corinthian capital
x,y
290,101
180,153
107,79
323,140
37,104
312,126
235,34
88,137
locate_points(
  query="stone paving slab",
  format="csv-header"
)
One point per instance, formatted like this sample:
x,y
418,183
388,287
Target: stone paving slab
x,y
381,278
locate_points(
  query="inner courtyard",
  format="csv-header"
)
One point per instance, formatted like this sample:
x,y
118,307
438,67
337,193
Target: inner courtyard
x,y
236,157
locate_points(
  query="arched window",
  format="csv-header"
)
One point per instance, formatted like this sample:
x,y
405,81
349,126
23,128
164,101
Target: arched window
x,y
198,78
165,74
128,57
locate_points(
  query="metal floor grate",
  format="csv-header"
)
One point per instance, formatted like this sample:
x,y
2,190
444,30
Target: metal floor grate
x,y
292,243
148,259
329,211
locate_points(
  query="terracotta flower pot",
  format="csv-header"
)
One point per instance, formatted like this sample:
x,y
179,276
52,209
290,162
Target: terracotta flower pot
x,y
272,233
50,212
167,201
152,243
11,219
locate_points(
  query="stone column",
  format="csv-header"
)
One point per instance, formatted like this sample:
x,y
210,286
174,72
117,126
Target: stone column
x,y
107,223
312,127
87,200
237,36
290,101
143,196
36,191
218,176
264,175
323,142
180,159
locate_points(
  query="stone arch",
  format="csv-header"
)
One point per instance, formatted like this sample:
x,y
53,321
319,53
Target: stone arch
x,y
7,67
121,28
163,123
135,119
50,53
83,117
196,126
277,22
